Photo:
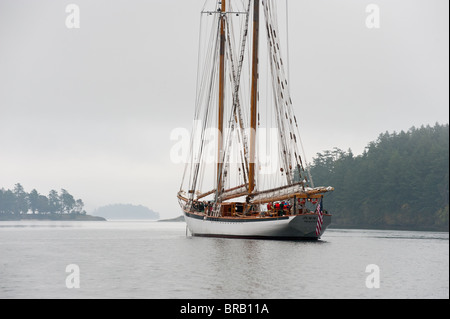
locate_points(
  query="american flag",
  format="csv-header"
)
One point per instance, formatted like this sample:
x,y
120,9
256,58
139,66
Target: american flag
x,y
319,211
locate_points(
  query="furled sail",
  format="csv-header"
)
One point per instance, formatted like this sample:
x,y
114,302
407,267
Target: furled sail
x,y
288,192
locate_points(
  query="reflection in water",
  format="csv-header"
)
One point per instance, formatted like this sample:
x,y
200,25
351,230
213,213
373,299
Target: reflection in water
x,y
254,268
240,260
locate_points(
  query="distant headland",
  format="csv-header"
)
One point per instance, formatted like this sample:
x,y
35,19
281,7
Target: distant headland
x,y
16,204
173,220
126,212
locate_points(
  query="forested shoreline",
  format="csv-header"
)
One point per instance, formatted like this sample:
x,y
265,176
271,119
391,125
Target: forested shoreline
x,y
401,181
17,204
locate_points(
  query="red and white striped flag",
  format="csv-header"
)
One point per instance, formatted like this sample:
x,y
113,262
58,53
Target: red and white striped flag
x,y
319,211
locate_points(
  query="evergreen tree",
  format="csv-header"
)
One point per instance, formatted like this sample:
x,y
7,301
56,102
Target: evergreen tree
x,y
54,203
67,201
43,206
7,201
33,198
20,204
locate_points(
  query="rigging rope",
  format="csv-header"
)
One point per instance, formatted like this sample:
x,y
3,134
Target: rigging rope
x,y
292,167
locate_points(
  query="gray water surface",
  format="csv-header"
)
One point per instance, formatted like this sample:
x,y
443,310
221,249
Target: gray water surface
x,y
134,259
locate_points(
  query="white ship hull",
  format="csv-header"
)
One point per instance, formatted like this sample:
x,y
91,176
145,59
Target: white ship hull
x,y
286,227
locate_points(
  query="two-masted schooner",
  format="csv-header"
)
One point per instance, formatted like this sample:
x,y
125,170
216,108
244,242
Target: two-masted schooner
x,y
245,177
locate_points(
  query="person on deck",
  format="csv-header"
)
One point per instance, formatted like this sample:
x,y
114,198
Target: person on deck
x,y
277,207
281,210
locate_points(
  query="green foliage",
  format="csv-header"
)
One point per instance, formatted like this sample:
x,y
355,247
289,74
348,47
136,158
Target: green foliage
x,y
401,180
18,202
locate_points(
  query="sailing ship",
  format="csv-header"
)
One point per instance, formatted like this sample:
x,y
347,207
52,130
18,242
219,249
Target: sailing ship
x,y
245,176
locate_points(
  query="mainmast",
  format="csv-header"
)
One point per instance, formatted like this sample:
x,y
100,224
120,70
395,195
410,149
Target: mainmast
x,y
254,97
221,96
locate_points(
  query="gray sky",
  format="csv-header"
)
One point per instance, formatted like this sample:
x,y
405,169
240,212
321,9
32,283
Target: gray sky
x,y
91,109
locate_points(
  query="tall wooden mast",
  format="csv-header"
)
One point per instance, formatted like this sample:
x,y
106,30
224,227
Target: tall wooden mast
x,y
254,96
221,96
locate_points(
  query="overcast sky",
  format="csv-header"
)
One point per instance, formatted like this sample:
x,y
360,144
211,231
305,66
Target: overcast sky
x,y
91,109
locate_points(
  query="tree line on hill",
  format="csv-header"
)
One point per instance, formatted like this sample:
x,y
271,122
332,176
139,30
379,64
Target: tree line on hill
x,y
400,181
18,202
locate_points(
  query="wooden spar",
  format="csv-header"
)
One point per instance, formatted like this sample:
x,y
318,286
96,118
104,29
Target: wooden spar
x,y
254,97
224,192
206,194
182,197
285,197
225,196
277,194
221,96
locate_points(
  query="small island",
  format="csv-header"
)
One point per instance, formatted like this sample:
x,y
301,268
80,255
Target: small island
x,y
126,212
17,204
178,219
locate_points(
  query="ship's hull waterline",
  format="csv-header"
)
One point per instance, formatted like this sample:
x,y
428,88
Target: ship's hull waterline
x,y
287,227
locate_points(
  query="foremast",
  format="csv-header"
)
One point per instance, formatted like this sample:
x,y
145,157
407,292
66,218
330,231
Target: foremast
x,y
254,97
221,96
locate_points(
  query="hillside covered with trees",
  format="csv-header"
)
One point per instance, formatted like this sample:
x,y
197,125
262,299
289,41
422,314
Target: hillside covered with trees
x,y
400,181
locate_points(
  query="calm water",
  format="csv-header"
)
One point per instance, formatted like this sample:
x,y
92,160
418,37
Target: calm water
x,y
156,260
